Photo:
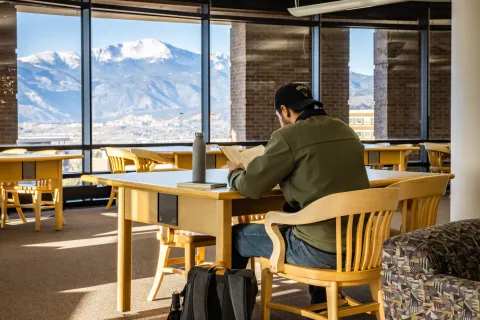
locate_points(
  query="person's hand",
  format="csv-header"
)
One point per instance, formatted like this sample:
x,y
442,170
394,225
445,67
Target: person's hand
x,y
233,166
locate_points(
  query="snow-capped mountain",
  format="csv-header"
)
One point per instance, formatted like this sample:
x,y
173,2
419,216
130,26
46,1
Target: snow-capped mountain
x,y
144,77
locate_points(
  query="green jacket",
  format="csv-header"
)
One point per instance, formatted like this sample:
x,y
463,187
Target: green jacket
x,y
310,159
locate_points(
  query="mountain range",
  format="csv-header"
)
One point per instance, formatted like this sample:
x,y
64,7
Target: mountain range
x,y
143,77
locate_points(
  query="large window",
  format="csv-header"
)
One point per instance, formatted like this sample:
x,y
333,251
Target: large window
x,y
146,80
361,80
49,77
385,82
440,84
249,63
220,73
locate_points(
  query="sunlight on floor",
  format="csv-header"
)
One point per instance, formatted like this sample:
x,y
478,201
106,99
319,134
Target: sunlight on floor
x,y
138,233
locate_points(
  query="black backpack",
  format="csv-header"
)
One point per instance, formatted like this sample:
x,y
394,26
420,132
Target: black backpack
x,y
211,296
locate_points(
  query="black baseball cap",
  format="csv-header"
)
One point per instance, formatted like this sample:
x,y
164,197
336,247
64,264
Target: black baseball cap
x,y
295,96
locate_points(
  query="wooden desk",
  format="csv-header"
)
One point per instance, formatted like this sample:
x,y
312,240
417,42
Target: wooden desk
x,y
18,167
386,155
182,156
374,155
154,198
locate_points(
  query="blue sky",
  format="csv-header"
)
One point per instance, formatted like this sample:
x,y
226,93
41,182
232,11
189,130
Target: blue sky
x,y
361,51
37,33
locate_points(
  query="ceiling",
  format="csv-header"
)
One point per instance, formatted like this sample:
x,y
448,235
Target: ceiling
x,y
400,11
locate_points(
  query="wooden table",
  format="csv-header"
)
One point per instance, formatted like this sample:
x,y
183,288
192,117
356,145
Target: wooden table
x,y
18,167
374,155
182,156
386,155
154,198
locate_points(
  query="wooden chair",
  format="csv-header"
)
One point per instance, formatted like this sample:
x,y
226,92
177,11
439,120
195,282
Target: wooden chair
x,y
436,156
419,200
194,245
146,161
116,160
36,189
14,201
362,264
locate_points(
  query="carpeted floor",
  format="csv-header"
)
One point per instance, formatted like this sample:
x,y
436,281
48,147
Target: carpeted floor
x,y
71,274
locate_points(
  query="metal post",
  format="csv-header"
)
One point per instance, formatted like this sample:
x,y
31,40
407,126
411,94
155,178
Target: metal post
x,y
86,84
425,80
316,58
206,71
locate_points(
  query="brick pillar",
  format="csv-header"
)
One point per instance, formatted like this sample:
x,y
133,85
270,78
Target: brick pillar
x,y
335,77
263,58
440,84
397,85
380,84
8,75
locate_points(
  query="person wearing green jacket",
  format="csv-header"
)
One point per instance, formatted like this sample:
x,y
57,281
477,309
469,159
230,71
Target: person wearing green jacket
x,y
311,156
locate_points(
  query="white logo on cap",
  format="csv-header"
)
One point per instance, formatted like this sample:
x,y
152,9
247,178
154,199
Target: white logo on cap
x,y
303,89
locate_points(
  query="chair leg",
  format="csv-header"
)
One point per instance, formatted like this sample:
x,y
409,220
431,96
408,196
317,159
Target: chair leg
x,y
201,255
251,264
110,201
162,263
377,296
37,208
4,199
189,257
16,201
58,205
332,301
266,294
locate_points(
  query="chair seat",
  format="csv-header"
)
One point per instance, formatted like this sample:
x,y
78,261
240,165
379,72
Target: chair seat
x,y
182,236
316,276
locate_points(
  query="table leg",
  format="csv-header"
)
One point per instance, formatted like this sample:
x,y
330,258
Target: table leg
x,y
59,197
224,235
124,262
401,166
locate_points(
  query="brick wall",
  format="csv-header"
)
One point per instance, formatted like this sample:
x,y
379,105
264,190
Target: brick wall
x,y
440,84
264,58
397,85
8,75
335,77
238,80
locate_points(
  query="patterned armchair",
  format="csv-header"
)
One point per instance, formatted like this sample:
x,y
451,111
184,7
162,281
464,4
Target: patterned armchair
x,y
433,273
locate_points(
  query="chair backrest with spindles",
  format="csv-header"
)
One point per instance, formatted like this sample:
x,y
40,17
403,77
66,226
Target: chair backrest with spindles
x,y
436,156
116,159
146,161
251,218
419,200
15,151
363,217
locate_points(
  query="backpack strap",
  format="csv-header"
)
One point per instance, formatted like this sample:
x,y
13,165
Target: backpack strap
x,y
238,294
200,295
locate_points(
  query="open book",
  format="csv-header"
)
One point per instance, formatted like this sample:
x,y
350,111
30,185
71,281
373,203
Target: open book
x,y
234,155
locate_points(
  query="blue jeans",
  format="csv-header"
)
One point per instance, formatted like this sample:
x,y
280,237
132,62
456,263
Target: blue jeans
x,y
251,240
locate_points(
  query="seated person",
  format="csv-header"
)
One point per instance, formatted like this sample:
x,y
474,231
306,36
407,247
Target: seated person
x,y
311,156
